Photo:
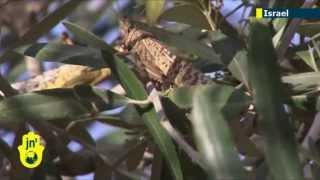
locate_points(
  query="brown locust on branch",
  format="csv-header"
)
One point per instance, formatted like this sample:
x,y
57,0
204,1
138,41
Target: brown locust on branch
x,y
154,61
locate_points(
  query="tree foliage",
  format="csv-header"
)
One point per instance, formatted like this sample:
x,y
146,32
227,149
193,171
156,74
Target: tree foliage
x,y
256,118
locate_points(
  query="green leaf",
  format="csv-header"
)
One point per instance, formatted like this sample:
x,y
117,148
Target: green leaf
x,y
115,138
239,66
57,104
182,97
132,85
279,25
130,114
136,90
154,9
187,14
308,57
277,37
71,54
302,82
237,103
87,37
181,42
12,55
281,150
303,102
45,105
226,46
213,136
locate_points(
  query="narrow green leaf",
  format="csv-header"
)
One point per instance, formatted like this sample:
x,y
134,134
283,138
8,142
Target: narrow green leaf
x,y
237,103
281,150
302,82
46,105
279,23
86,37
279,26
154,9
225,46
187,14
113,139
56,104
277,37
136,90
182,97
131,115
183,43
239,66
303,102
308,57
212,133
68,54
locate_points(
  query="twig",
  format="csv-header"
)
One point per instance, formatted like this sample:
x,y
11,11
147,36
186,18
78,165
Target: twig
x,y
207,14
113,121
175,135
291,30
233,11
209,19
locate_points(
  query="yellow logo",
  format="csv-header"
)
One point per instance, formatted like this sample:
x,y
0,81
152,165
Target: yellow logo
x,y
259,13
31,150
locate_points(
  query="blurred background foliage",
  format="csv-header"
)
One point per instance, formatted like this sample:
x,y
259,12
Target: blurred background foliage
x,y
64,75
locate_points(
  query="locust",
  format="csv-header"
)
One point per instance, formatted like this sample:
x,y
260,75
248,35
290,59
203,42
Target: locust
x,y
154,60
65,76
